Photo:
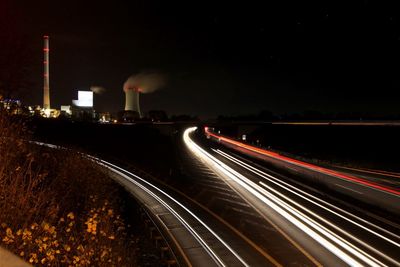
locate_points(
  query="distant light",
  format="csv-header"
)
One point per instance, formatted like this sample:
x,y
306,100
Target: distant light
x,y
47,112
66,109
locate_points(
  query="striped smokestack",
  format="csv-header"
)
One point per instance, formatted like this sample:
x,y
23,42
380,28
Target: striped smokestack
x,y
46,85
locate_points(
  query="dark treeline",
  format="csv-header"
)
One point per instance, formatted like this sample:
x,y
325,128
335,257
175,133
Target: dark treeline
x,y
308,115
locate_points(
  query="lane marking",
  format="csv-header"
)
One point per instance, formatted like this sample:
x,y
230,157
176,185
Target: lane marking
x,y
355,191
379,172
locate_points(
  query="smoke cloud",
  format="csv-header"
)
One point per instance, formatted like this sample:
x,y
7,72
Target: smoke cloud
x,y
145,82
97,89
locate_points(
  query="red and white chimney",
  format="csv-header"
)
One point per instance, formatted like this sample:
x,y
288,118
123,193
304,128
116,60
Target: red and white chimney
x,y
46,84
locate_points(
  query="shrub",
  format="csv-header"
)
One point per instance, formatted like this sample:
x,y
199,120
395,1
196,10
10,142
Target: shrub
x,y
57,207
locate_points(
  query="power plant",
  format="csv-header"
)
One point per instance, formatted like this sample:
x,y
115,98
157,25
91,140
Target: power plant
x,y
132,99
46,83
141,83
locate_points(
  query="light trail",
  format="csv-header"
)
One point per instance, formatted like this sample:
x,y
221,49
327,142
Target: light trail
x,y
112,167
128,176
379,172
305,164
308,197
183,207
108,164
335,244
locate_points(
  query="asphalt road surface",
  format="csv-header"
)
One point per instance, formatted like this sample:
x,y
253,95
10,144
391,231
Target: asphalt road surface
x,y
329,230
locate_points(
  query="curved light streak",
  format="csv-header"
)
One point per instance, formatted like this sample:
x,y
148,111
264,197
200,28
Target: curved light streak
x,y
306,196
333,243
126,174
305,164
287,187
183,207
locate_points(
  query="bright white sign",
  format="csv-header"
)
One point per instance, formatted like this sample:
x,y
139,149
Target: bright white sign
x,y
85,99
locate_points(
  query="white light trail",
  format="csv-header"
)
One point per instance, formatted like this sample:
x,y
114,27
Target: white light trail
x,y
126,174
327,239
176,214
308,197
108,164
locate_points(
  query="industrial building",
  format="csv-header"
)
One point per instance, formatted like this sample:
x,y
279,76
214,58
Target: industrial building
x,y
82,108
132,107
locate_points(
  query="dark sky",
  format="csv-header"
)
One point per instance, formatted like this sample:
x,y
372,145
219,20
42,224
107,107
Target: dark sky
x,y
221,57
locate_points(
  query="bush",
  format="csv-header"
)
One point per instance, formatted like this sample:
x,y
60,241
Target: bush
x,y
57,207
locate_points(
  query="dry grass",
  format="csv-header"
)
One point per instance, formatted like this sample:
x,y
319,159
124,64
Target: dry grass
x,y
57,208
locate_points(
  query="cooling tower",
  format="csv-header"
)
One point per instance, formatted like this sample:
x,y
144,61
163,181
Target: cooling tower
x,y
46,85
132,100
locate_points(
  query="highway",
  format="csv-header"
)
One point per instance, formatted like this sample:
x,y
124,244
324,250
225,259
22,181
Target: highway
x,y
197,242
329,230
364,190
194,237
202,236
385,178
205,222
226,208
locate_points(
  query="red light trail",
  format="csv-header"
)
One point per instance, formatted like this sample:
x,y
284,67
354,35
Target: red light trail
x,y
303,164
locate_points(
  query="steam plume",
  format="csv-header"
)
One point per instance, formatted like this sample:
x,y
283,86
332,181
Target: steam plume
x,y
145,82
97,89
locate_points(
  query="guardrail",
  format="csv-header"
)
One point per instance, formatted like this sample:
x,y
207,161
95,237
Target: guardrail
x,y
168,249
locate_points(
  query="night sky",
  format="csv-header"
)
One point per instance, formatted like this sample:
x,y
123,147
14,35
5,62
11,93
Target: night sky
x,y
221,57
